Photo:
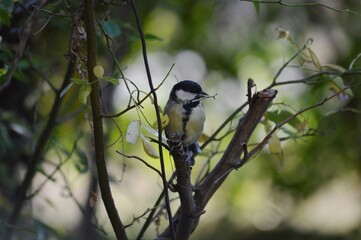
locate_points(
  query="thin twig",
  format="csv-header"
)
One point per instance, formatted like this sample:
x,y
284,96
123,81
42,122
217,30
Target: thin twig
x,y
309,41
141,100
311,4
143,161
279,125
159,120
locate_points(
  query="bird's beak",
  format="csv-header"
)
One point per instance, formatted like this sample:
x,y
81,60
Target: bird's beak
x,y
203,94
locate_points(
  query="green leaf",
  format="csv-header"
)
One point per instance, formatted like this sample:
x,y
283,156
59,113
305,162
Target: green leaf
x,y
80,81
84,92
4,70
152,37
81,161
111,28
98,71
5,17
279,116
257,7
114,81
66,89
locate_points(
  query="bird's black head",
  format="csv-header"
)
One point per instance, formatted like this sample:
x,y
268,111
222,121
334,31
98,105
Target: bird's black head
x,y
186,86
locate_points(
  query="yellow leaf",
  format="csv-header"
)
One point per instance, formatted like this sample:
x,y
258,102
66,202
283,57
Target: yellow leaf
x,y
314,59
149,148
84,92
165,120
274,144
204,137
132,132
98,71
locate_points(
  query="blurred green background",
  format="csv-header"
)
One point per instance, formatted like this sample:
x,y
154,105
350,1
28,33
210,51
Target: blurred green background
x,y
314,193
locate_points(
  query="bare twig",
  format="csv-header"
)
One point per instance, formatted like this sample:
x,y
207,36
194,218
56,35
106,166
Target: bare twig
x,y
143,161
141,100
304,4
159,120
279,125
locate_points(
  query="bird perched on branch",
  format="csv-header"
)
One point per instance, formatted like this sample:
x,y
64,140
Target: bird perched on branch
x,y
186,116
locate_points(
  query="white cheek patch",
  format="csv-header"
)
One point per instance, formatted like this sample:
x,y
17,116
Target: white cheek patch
x,y
185,96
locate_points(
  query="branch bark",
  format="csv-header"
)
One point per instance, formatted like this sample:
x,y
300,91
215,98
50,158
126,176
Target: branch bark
x,y
186,220
105,190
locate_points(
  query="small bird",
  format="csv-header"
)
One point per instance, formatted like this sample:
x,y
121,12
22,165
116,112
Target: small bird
x,y
186,116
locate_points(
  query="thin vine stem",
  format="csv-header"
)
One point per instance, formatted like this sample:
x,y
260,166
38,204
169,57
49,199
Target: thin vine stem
x,y
159,121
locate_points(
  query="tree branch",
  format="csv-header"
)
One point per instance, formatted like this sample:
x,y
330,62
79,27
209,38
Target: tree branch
x,y
232,156
105,190
192,207
188,209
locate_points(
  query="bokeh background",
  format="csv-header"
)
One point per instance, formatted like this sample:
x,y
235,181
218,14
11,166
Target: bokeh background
x,y
313,193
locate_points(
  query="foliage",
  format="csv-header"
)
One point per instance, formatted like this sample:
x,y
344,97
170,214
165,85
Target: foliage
x,y
73,116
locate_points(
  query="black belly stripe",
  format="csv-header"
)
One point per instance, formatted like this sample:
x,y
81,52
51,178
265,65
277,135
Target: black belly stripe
x,y
188,107
185,120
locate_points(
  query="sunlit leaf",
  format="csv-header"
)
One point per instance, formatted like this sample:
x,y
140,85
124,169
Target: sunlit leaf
x,y
149,148
165,120
335,67
151,130
84,92
98,71
80,81
204,137
114,81
274,145
314,59
132,132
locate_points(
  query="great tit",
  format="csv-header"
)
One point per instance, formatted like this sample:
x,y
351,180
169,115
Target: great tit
x,y
186,116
